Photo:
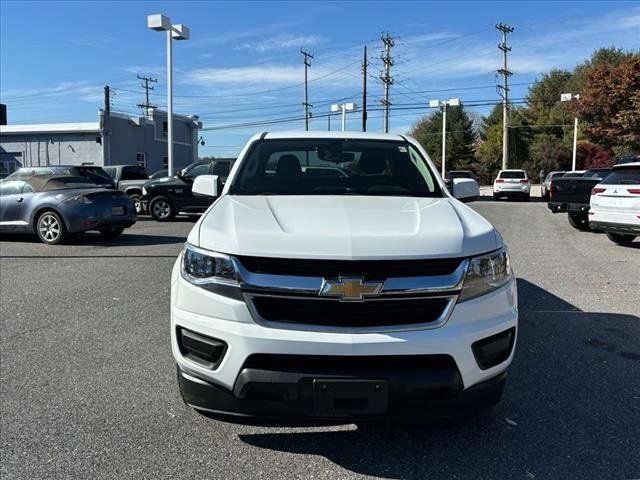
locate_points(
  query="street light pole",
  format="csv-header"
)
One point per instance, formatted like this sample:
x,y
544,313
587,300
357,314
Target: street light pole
x,y
568,97
453,102
444,134
162,23
169,103
344,108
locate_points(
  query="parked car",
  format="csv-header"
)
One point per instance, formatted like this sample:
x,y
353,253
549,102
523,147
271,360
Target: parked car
x,y
615,204
53,206
129,179
571,195
165,197
159,174
574,173
95,174
512,184
631,158
463,184
371,295
544,187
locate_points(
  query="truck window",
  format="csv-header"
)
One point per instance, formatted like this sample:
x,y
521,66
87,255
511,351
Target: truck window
x,y
359,167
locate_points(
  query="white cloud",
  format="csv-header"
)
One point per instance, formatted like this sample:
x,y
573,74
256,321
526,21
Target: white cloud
x,y
269,74
281,42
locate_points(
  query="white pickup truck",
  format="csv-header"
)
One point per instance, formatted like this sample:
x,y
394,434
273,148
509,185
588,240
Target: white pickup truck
x,y
336,277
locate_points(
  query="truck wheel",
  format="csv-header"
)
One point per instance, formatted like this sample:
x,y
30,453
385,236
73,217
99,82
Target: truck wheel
x,y
161,209
579,222
50,228
111,232
135,199
620,238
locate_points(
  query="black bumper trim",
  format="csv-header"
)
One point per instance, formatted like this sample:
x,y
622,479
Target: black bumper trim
x,y
282,396
568,207
615,227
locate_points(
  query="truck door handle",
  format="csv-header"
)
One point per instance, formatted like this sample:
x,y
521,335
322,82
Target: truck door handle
x,y
19,199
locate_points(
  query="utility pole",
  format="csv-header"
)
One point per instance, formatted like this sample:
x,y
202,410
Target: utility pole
x,y
386,77
146,105
306,55
365,64
107,100
504,92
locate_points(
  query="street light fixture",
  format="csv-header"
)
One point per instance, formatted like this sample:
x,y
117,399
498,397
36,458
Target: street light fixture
x,y
452,102
568,97
162,23
345,107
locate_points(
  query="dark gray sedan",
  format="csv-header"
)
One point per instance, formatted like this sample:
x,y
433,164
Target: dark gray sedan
x,y
56,205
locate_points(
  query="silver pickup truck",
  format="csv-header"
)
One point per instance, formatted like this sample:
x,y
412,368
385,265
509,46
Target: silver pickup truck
x,y
129,179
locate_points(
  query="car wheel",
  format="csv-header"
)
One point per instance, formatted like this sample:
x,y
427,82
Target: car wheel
x,y
580,222
112,232
135,199
161,209
620,238
50,228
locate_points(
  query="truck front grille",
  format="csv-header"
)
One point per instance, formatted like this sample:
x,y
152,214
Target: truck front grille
x,y
333,313
368,269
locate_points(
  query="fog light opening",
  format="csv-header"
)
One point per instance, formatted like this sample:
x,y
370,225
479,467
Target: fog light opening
x,y
493,350
205,351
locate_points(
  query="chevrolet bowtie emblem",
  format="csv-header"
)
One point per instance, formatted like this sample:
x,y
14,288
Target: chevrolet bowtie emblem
x,y
350,289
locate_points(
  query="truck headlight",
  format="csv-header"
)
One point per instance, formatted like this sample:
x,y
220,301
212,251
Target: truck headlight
x,y
485,274
210,270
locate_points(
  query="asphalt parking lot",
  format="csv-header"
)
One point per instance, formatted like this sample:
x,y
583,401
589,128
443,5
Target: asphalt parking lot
x,y
87,381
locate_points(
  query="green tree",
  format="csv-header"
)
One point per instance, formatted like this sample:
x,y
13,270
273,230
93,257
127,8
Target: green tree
x,y
459,142
488,152
544,109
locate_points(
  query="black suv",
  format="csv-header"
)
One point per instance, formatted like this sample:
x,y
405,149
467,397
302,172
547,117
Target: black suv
x,y
165,197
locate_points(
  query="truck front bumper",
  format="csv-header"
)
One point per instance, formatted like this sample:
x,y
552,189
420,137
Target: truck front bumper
x,y
258,370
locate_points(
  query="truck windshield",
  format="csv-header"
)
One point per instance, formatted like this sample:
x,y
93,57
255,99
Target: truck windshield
x,y
335,167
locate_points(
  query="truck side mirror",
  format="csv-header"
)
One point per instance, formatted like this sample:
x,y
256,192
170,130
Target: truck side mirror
x,y
206,185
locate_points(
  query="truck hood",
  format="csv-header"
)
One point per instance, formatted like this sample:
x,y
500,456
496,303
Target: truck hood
x,y
344,227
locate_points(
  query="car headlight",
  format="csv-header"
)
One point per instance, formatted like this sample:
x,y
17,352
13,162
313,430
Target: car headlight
x,y
144,191
77,200
485,274
210,270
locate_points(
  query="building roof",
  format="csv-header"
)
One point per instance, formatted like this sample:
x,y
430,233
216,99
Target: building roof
x,y
82,127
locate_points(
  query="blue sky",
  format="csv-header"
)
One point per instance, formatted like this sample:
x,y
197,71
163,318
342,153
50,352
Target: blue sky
x,y
243,64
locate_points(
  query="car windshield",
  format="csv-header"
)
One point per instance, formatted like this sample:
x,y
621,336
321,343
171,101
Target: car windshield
x,y
623,176
597,173
335,167
517,174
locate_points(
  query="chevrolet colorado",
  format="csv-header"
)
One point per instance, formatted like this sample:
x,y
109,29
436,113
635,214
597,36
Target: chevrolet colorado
x,y
371,292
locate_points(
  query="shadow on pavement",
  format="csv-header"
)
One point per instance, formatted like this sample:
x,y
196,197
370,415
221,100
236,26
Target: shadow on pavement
x,y
96,239
571,409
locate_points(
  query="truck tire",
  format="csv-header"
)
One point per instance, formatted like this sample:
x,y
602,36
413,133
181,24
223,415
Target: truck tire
x,y
579,222
620,238
50,228
161,209
135,199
